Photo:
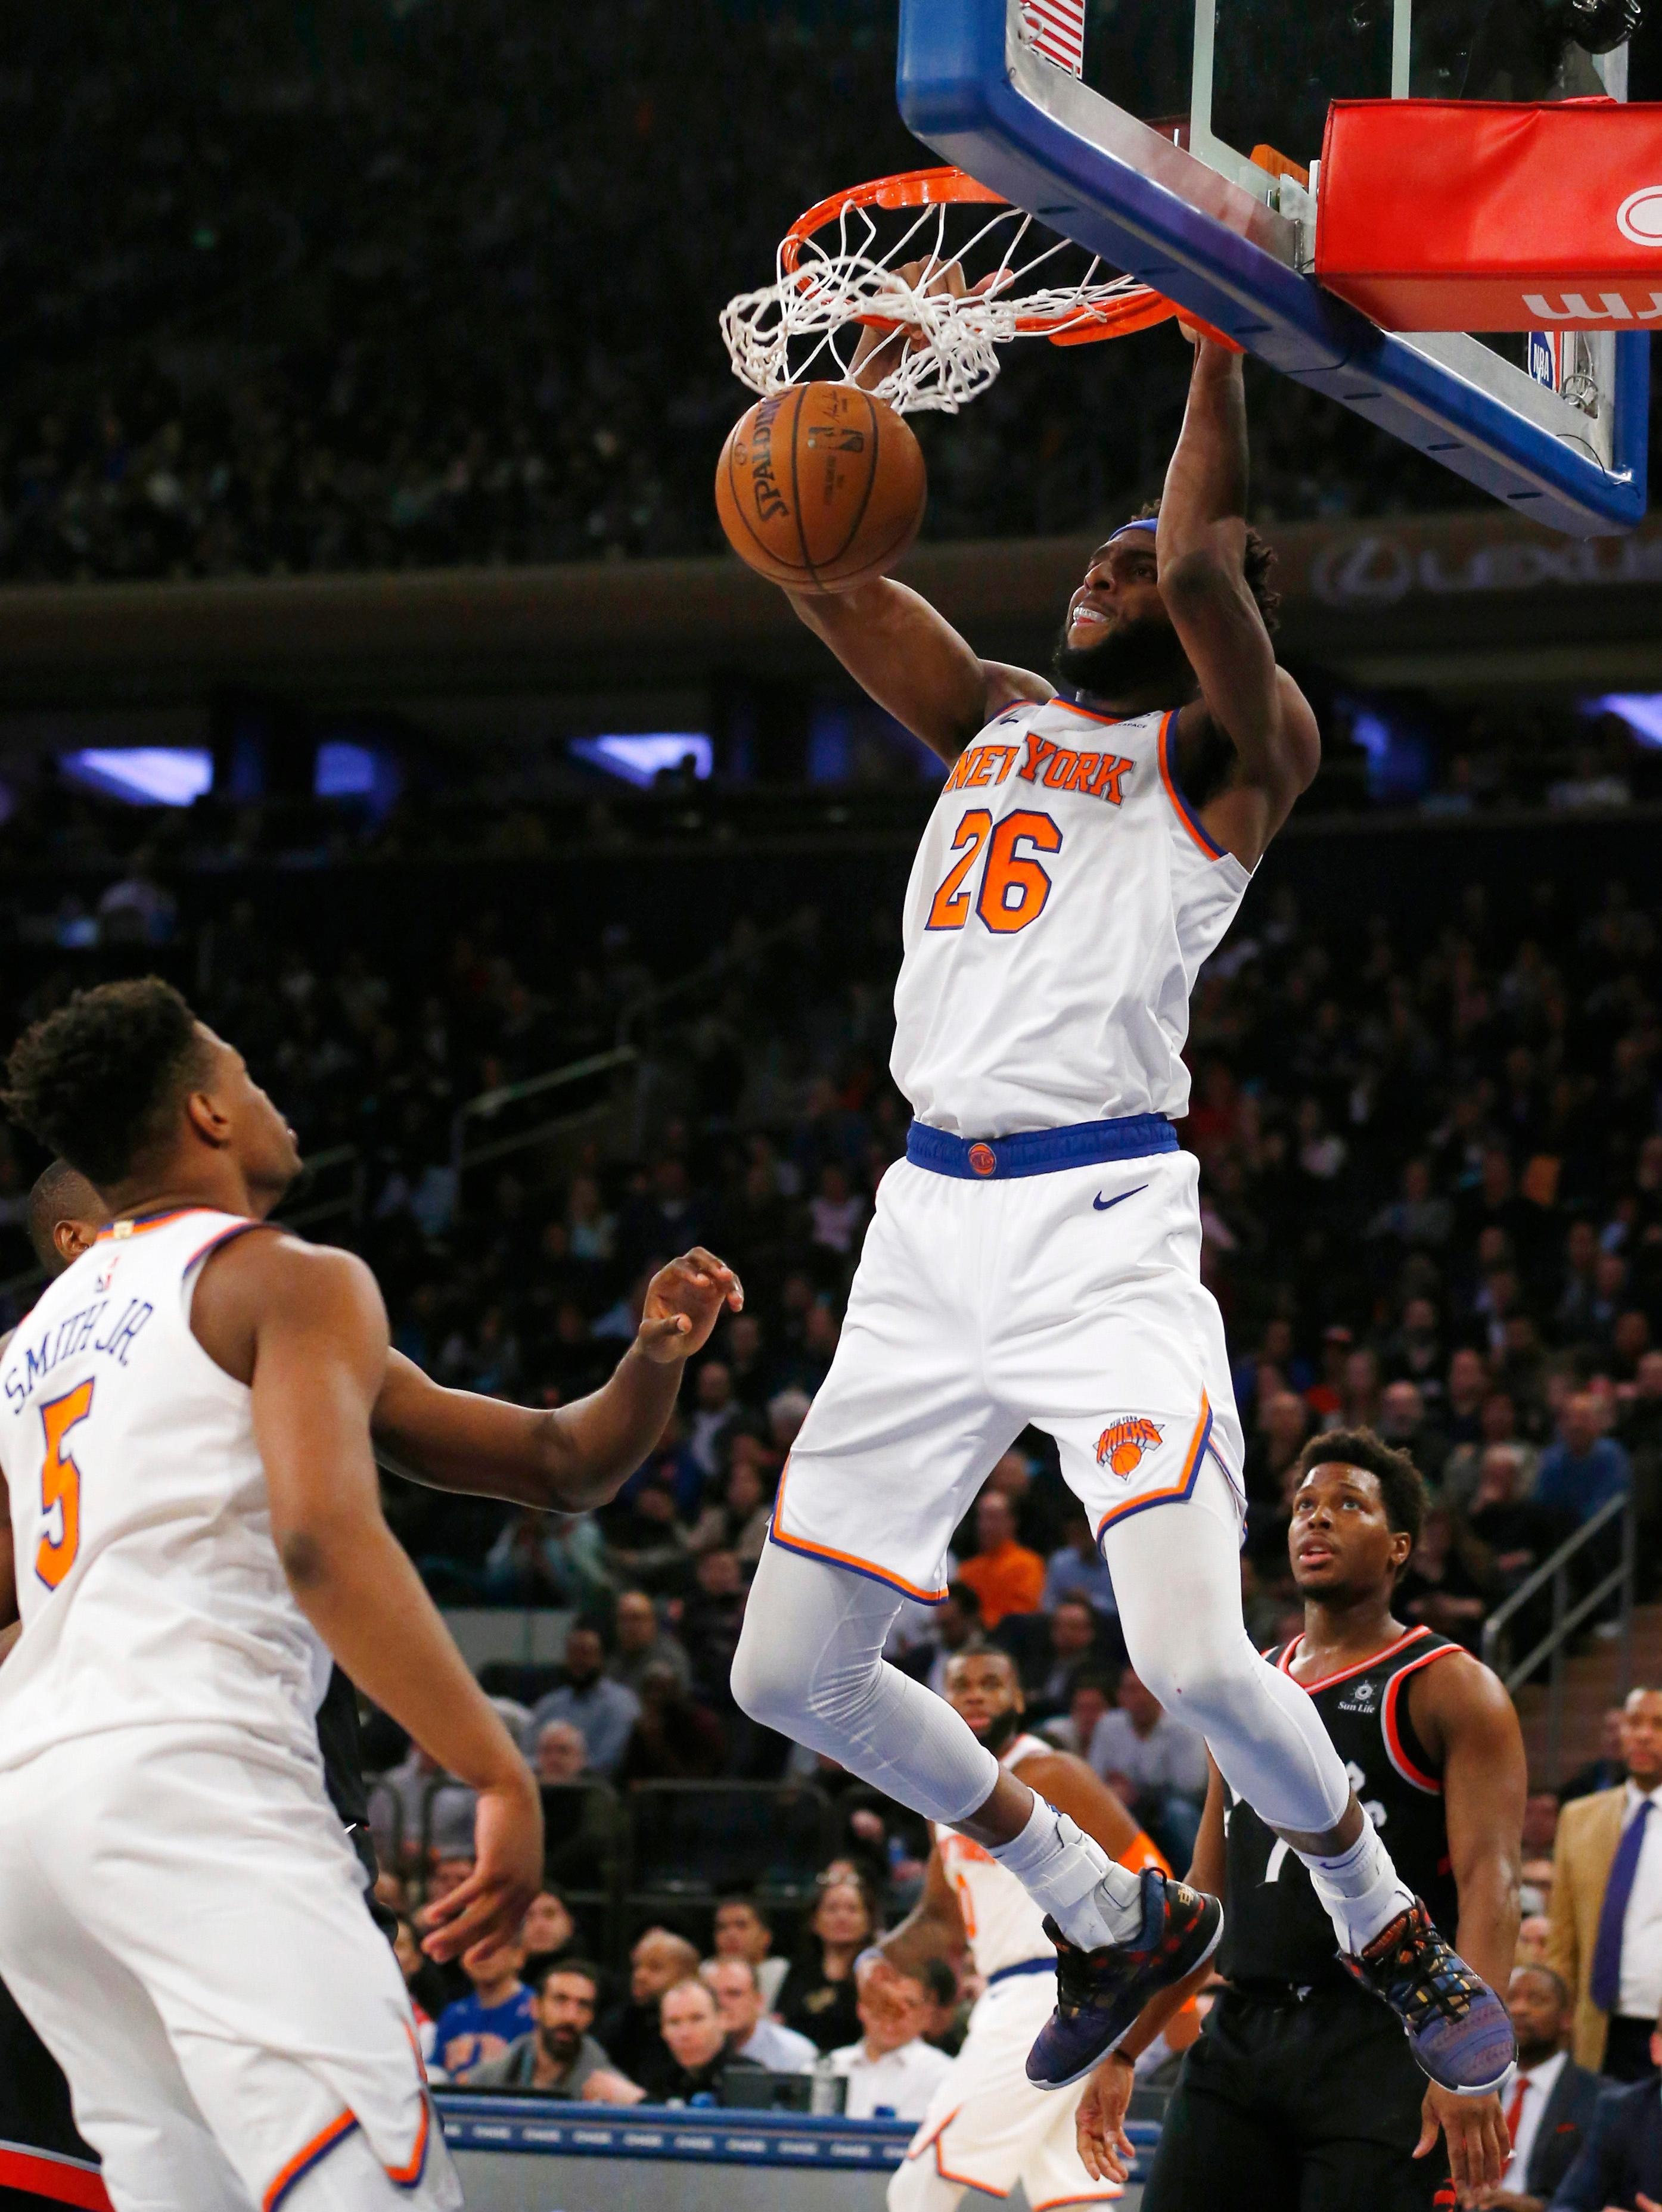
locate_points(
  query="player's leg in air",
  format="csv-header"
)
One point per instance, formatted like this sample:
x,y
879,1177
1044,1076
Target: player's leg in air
x,y
1036,1257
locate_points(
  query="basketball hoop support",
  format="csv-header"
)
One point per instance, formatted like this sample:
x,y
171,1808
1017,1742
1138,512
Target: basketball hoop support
x,y
983,99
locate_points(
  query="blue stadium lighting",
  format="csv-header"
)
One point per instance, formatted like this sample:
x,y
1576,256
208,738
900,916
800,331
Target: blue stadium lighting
x,y
640,759
1641,710
343,771
143,776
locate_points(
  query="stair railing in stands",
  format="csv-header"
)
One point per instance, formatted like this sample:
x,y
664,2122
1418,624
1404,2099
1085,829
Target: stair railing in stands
x,y
1554,1573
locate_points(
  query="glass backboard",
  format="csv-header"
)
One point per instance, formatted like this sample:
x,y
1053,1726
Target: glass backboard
x,y
1132,125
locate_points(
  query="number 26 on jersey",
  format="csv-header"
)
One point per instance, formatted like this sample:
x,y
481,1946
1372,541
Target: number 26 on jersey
x,y
1011,887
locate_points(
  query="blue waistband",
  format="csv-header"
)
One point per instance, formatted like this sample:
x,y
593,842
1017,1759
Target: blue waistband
x,y
1023,1966
1038,1151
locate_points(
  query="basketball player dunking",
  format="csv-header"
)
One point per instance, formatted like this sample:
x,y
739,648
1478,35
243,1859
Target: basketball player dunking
x,y
185,1440
1036,1256
1301,2090
987,2127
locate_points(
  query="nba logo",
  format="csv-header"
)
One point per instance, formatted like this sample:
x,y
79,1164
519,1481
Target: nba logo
x,y
1545,358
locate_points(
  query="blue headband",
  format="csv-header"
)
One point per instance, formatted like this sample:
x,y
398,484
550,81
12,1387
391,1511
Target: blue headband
x,y
1142,522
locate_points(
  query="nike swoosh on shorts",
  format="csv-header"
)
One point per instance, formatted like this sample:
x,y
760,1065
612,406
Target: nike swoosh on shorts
x,y
1102,1205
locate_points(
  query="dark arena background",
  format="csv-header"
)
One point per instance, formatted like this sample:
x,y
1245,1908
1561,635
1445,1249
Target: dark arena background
x,y
373,668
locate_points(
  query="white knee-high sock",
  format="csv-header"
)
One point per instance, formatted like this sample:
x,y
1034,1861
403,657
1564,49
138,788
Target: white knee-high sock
x,y
1092,1898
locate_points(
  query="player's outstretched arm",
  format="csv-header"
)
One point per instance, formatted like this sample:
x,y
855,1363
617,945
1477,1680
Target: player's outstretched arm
x,y
1461,1709
576,1456
910,659
1201,546
305,1328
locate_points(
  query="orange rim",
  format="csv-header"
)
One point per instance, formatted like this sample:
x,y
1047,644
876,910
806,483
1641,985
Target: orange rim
x,y
1138,308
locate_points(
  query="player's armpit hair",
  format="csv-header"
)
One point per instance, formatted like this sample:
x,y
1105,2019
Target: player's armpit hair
x,y
1402,1487
1257,564
99,1079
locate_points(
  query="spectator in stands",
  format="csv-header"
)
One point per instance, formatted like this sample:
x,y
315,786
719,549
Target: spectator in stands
x,y
561,1755
952,1626
646,1539
1079,1570
434,1812
1446,1584
557,2056
743,1931
1513,1530
736,1520
711,1620
1403,1424
498,2012
890,2071
1608,1769
1497,1424
1092,1697
640,1641
1551,2099
1154,1765
696,2059
604,1711
1067,1643
1585,1468
547,1558
1606,1912
422,1979
817,1995
751,2034
715,1414
675,1739
1620,2165
1004,1574
629,2031
1284,1424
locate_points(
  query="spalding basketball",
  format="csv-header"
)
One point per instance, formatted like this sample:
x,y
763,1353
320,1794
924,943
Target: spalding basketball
x,y
820,487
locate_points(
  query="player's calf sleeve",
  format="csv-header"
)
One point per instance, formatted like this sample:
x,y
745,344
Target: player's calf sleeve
x,y
810,1664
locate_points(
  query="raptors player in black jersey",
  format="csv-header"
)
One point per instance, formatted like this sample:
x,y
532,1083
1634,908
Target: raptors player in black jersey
x,y
1301,2095
568,1459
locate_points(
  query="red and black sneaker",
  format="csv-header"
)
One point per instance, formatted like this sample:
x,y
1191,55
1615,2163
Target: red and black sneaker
x,y
1459,2030
1100,1993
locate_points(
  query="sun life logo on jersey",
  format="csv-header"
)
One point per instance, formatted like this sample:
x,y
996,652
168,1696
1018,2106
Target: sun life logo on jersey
x,y
1359,1698
1122,1445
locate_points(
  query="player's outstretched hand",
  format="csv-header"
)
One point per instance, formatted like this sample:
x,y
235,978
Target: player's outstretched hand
x,y
684,1303
1104,2148
1475,2130
490,1905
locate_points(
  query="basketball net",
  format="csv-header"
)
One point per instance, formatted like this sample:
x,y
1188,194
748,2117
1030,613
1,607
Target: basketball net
x,y
959,272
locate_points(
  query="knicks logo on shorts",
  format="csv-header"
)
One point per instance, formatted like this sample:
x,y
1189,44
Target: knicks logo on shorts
x,y
1121,1446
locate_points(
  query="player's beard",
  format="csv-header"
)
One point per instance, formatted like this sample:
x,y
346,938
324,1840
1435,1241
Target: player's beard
x,y
1134,659
1001,1729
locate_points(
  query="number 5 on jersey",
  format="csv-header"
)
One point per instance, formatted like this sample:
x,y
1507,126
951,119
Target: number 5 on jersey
x,y
60,1485
1013,887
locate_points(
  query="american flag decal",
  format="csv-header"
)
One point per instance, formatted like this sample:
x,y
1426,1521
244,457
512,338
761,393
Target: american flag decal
x,y
1056,30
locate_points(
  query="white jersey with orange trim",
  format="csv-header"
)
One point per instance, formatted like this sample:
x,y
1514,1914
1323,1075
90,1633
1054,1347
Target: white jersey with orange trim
x,y
149,1584
1060,907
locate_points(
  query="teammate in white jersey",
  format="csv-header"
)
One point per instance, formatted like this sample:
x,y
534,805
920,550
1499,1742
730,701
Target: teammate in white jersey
x,y
185,1457
1036,1257
987,2127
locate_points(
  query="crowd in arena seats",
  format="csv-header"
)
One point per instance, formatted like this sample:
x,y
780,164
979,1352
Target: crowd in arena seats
x,y
402,285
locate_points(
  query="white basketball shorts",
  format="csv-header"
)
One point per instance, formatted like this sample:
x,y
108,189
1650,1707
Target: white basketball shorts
x,y
1071,1301
183,1921
987,2127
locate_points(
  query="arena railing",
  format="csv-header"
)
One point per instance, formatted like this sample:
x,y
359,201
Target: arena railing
x,y
1552,1649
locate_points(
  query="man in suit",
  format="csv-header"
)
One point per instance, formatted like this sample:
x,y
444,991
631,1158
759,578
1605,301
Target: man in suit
x,y
1619,2169
1549,2103
1606,1918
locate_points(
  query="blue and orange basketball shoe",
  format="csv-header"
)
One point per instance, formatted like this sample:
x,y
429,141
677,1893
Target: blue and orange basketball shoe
x,y
1100,1993
1459,2030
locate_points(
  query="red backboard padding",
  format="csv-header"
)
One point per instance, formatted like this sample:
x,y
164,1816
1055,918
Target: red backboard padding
x,y
1448,215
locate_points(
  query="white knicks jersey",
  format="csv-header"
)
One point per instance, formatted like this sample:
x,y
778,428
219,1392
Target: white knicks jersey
x,y
148,1580
1004,1923
1061,904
